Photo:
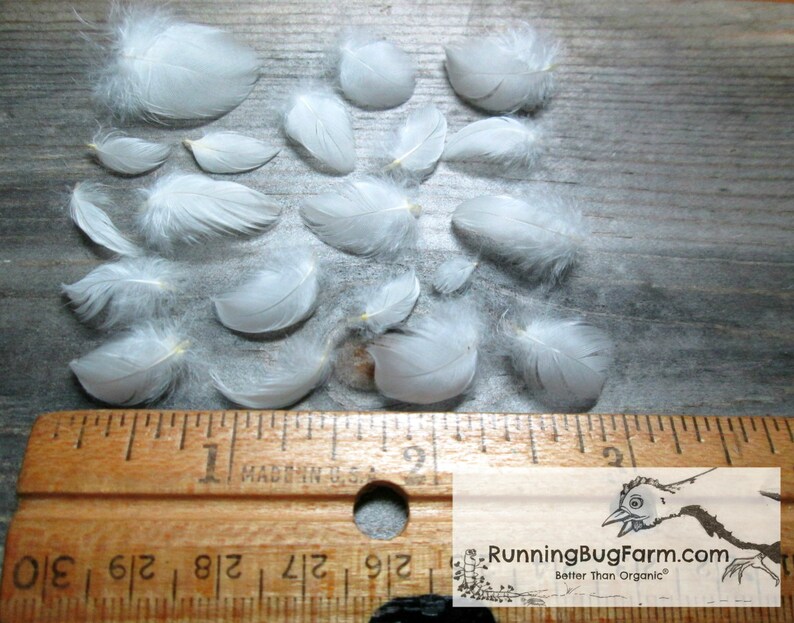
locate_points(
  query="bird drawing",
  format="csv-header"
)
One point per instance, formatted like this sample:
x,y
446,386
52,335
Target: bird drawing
x,y
645,503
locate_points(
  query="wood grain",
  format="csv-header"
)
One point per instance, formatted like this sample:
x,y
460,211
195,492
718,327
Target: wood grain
x,y
671,127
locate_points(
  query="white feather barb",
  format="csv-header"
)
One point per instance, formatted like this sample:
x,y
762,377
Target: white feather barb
x,y
418,143
503,72
139,367
191,207
130,290
230,152
304,364
374,73
453,275
370,217
432,361
160,68
503,140
87,209
565,361
318,120
539,235
127,155
281,295
391,302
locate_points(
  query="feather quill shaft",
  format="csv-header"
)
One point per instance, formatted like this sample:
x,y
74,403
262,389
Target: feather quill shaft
x,y
432,361
370,217
503,140
318,120
453,275
391,303
128,155
304,364
540,235
139,367
418,143
129,290
565,361
160,68
87,209
281,295
230,152
191,207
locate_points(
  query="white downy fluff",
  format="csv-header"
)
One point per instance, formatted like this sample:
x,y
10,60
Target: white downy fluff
x,y
453,275
565,360
418,143
86,209
374,73
189,207
130,290
303,365
318,120
370,217
165,69
391,302
432,361
139,367
503,72
279,296
230,152
502,140
540,235
128,155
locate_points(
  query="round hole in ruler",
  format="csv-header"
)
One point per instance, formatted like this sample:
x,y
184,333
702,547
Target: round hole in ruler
x,y
381,510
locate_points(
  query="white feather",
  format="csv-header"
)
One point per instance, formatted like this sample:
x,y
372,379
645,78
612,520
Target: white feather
x,y
318,120
502,140
374,73
453,275
391,302
432,361
503,72
565,360
162,68
86,209
303,365
191,207
130,290
418,143
370,217
125,154
139,367
540,235
229,152
279,296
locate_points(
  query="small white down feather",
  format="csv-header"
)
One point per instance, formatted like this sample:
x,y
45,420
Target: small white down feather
x,y
87,206
453,275
391,302
230,152
509,142
418,143
128,155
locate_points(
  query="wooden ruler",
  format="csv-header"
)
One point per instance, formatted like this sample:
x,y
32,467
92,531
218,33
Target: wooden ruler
x,y
248,516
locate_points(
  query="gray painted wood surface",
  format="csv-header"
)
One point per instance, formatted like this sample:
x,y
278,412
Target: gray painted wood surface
x,y
671,127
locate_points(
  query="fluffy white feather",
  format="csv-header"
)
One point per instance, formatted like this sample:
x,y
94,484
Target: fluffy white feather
x,y
540,235
130,290
432,361
161,68
503,140
370,217
303,365
418,143
230,152
453,275
566,361
318,120
87,208
374,73
279,296
391,302
128,155
503,72
189,207
139,367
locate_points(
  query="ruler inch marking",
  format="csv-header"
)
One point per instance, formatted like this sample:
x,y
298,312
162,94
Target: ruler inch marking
x,y
768,437
744,430
44,579
132,577
284,433
218,578
651,436
603,428
724,443
158,431
87,590
628,441
133,428
532,444
261,585
232,445
579,434
697,430
184,432
174,580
